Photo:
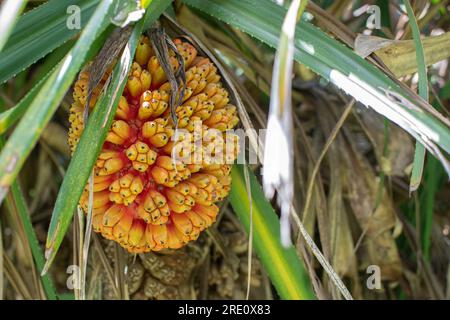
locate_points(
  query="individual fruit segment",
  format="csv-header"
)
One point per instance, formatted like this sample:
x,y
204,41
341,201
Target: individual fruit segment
x,y
138,81
152,104
141,156
125,189
157,132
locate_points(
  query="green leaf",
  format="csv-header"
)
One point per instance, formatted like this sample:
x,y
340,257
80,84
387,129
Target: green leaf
x,y
432,178
332,60
419,154
9,11
25,136
92,139
433,182
39,32
282,264
9,117
18,201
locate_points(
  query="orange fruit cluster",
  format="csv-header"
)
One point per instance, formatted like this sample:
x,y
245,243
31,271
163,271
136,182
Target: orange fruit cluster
x,y
145,198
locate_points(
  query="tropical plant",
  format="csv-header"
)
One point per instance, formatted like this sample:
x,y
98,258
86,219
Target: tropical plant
x,y
341,171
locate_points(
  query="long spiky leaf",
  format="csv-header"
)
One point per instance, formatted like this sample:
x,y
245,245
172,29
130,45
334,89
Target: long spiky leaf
x,y
9,11
282,264
419,154
40,31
